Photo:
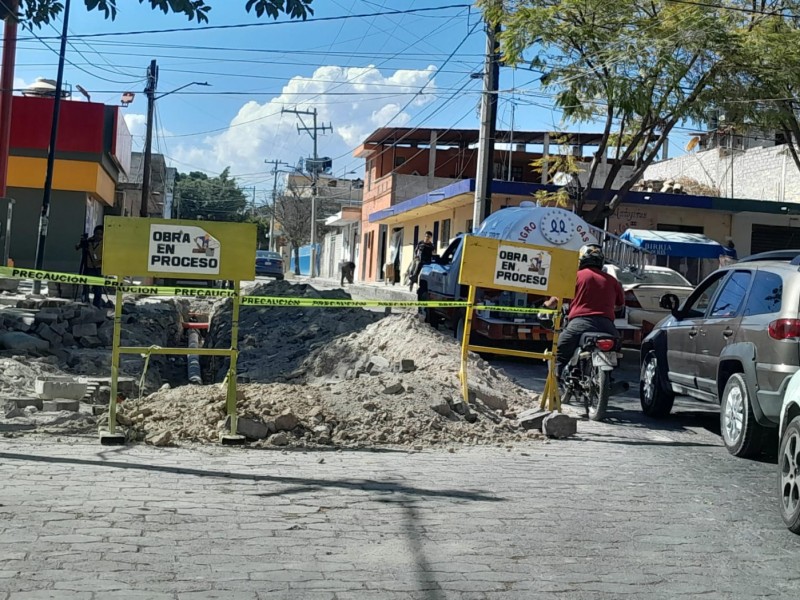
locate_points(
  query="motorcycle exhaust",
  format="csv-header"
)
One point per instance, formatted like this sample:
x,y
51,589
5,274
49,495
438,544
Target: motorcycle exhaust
x,y
618,387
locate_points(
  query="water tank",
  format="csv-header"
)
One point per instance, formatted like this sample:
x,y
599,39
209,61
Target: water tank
x,y
44,88
539,226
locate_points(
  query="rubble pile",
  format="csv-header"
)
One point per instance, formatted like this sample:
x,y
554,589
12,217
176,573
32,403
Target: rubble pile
x,y
274,341
78,336
393,382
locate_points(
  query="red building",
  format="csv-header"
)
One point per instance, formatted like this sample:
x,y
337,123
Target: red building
x,y
93,147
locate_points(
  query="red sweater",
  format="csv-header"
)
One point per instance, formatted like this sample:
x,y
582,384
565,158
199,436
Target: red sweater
x,y
596,295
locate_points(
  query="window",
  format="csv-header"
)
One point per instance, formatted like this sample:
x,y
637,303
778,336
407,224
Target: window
x,y
447,257
399,160
469,226
653,277
765,295
698,302
445,232
730,298
516,173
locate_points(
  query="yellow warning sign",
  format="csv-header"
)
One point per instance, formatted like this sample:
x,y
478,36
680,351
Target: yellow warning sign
x,y
187,249
504,265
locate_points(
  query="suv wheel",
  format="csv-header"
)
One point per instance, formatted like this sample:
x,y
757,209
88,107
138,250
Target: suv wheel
x,y
741,434
655,400
788,473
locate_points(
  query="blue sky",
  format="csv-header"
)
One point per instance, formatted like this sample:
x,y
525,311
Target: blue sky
x,y
361,73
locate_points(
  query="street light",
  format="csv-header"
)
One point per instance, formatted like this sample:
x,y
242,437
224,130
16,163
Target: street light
x,y
150,90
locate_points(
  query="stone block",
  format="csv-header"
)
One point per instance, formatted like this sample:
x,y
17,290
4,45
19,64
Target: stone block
x,y
488,396
19,320
442,408
80,330
58,388
532,419
105,333
68,340
59,405
59,327
279,439
407,365
46,317
286,421
54,302
559,425
394,388
91,342
159,438
46,333
22,342
249,428
29,303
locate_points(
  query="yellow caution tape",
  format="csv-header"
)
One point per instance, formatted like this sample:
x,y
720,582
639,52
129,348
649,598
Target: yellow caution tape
x,y
18,273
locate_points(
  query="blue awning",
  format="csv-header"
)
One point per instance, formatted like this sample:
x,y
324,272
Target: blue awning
x,y
675,243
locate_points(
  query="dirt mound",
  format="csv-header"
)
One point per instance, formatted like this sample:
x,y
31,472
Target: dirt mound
x,y
274,341
394,382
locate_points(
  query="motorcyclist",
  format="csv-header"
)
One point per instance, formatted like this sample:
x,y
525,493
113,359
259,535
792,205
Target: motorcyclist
x,y
597,296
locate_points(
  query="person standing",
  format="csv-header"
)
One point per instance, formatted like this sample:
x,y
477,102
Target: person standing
x,y
423,255
92,263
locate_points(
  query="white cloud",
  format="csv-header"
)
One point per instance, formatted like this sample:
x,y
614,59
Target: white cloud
x,y
136,124
20,83
362,100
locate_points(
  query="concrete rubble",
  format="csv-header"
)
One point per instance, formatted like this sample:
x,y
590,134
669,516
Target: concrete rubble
x,y
308,377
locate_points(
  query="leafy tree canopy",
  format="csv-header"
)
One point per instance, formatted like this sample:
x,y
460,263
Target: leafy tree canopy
x,y
42,12
642,67
212,198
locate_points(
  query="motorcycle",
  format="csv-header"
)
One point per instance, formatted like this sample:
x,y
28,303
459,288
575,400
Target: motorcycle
x,y
587,376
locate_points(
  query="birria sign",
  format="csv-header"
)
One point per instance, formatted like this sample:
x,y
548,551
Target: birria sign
x,y
167,248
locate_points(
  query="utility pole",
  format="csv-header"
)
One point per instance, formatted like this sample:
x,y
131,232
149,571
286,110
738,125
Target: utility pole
x,y
273,246
491,77
312,131
150,91
44,218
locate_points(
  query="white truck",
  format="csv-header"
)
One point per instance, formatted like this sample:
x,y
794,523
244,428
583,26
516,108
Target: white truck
x,y
529,224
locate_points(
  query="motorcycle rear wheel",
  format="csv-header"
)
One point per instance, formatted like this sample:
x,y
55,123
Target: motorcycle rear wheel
x,y
597,399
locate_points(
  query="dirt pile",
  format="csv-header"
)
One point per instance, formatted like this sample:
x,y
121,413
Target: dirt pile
x,y
274,341
394,382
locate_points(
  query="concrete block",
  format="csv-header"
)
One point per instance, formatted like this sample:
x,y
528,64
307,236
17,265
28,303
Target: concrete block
x,y
53,388
59,405
532,419
46,333
249,428
377,364
488,396
46,317
68,340
91,342
407,365
559,425
286,421
84,330
59,327
105,333
53,302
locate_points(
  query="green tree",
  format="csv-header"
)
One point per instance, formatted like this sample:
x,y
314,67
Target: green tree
x,y
640,68
42,12
212,198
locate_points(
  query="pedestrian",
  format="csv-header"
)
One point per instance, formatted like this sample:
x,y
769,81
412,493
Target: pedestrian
x,y
423,255
92,263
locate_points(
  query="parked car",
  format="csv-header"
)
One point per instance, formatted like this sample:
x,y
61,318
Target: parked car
x,y
789,456
734,341
269,264
644,289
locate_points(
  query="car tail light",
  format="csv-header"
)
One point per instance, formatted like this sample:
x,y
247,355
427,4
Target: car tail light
x,y
606,345
784,329
631,300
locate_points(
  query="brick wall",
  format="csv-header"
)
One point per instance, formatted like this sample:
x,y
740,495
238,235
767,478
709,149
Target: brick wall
x,y
758,173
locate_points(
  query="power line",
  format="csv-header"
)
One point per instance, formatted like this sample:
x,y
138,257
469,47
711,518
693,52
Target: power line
x,y
270,23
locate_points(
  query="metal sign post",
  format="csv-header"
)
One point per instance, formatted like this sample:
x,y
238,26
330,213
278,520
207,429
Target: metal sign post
x,y
516,267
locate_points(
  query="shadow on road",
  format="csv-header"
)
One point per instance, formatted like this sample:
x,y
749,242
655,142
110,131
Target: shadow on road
x,y
300,483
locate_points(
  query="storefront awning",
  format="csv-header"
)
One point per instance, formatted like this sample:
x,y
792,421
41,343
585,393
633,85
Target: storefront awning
x,y
675,243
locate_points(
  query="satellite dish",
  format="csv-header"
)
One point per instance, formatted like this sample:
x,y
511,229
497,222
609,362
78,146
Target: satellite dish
x,y
692,143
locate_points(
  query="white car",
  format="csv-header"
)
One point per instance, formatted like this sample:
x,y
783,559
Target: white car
x,y
789,456
644,289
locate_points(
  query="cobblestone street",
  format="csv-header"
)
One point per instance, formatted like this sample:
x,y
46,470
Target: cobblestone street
x,y
624,510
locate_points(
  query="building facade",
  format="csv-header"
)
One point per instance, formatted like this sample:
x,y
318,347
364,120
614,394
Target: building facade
x,y
93,149
422,164
162,188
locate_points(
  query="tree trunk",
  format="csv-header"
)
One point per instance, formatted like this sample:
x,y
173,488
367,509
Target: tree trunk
x,y
296,250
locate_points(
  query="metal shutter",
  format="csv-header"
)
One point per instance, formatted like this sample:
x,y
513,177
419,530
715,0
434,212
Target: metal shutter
x,y
773,237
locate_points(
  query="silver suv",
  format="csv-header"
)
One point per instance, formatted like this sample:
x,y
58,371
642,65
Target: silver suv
x,y
734,341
